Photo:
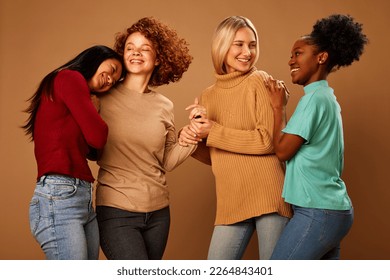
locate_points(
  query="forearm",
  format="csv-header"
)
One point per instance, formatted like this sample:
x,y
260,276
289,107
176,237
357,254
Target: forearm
x,y
251,142
279,124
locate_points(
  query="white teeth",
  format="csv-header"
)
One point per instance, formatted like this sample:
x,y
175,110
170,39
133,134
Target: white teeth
x,y
243,60
294,70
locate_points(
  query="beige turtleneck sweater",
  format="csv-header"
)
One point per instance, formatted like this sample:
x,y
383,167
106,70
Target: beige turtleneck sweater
x,y
248,175
141,146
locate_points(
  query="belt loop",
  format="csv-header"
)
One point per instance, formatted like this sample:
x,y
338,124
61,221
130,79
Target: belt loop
x,y
77,181
42,179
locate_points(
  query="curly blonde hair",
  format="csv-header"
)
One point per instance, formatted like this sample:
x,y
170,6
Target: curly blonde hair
x,y
172,51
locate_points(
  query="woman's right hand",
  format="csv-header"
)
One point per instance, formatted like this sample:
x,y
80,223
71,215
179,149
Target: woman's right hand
x,y
199,126
278,92
188,136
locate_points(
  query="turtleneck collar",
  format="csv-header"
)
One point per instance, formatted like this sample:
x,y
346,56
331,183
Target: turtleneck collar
x,y
233,79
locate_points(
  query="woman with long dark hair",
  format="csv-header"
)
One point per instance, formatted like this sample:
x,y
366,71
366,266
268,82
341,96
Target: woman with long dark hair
x,y
64,125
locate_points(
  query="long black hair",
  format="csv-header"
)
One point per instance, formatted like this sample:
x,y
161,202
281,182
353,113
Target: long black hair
x,y
87,63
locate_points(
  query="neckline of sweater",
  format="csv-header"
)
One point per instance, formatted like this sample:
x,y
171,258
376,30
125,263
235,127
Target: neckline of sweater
x,y
233,79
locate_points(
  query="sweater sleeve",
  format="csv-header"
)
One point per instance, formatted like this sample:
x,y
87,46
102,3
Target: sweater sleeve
x,y
248,141
74,91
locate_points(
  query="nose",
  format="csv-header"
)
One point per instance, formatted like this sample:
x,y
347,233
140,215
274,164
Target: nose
x,y
246,50
109,80
136,53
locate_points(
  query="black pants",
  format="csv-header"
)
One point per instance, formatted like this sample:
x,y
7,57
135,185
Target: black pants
x,y
128,235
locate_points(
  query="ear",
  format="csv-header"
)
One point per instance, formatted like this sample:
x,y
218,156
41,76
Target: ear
x,y
157,62
322,57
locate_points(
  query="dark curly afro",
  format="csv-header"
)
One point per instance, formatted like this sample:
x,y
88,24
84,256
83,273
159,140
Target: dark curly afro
x,y
341,37
172,51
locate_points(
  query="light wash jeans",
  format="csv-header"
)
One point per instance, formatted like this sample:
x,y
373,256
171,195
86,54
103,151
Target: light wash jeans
x,y
230,241
62,219
313,234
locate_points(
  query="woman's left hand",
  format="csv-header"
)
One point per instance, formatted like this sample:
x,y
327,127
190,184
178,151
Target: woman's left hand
x,y
95,101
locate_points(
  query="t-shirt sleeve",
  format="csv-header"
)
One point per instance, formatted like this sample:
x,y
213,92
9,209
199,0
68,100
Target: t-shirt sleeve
x,y
304,121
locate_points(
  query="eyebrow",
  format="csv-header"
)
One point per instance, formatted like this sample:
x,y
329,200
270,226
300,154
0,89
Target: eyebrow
x,y
242,41
143,45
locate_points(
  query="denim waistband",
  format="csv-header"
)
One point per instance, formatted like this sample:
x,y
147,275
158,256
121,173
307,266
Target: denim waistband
x,y
57,178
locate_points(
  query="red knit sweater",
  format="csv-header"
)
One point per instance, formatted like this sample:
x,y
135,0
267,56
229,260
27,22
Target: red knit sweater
x,y
66,126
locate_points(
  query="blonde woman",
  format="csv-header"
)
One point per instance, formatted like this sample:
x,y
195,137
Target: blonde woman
x,y
234,122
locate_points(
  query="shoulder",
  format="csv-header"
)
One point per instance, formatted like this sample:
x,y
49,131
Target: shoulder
x,y
256,79
70,82
70,78
163,100
67,74
255,82
208,89
259,74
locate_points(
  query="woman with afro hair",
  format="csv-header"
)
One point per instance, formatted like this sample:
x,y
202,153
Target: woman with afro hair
x,y
132,195
312,142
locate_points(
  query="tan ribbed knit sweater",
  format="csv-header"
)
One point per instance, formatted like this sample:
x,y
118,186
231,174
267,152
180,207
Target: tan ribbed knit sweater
x,y
248,175
141,147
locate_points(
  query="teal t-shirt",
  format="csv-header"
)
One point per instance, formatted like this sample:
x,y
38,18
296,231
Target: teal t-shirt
x,y
313,175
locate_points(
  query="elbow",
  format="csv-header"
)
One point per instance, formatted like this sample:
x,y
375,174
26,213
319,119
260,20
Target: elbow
x,y
98,139
283,155
99,143
169,167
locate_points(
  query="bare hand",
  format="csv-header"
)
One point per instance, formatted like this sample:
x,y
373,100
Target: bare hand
x,y
196,110
188,136
95,101
201,126
278,92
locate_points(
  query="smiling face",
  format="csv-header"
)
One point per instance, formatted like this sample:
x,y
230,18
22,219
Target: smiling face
x,y
108,73
242,52
307,65
139,54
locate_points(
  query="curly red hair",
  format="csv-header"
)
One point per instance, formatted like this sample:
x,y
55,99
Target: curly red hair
x,y
172,51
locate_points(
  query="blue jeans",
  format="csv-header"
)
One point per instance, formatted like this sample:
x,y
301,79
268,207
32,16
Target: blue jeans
x,y
230,241
126,235
62,219
313,234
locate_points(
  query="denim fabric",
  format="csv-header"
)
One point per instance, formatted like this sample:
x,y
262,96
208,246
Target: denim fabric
x,y
62,219
128,235
313,234
230,241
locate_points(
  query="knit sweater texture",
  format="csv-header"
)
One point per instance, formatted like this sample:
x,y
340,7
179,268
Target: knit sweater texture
x,y
65,127
248,175
141,147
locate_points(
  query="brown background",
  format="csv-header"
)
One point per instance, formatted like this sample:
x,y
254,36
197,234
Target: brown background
x,y
37,36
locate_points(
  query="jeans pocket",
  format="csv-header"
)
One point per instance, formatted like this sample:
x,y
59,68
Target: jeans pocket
x,y
34,214
63,190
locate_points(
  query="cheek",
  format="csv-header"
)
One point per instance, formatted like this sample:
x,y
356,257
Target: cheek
x,y
94,83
